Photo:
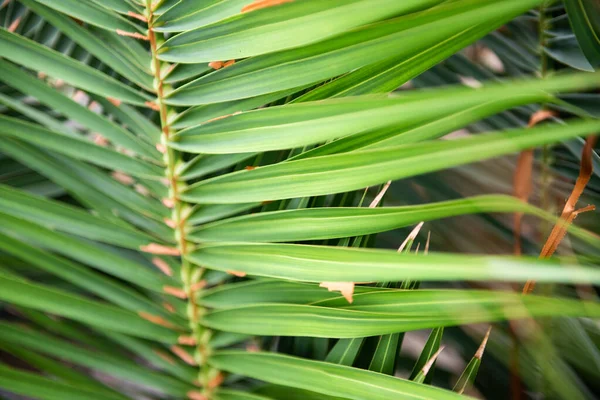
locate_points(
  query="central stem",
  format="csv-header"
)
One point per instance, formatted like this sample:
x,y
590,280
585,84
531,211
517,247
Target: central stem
x,y
191,275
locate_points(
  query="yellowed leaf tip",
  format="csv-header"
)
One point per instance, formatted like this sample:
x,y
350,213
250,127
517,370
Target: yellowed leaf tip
x,y
345,288
162,266
174,291
258,4
380,195
411,236
481,348
184,355
430,362
427,243
155,248
135,35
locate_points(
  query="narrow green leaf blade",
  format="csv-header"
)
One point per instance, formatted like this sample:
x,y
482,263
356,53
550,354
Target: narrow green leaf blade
x,y
338,264
326,378
100,315
78,148
356,170
30,384
404,315
584,16
281,27
39,58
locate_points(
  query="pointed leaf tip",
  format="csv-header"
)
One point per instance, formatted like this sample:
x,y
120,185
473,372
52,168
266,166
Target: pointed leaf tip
x,y
481,349
411,236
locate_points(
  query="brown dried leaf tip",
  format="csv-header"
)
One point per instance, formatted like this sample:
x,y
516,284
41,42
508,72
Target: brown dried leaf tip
x,y
481,348
186,340
184,355
14,25
237,273
216,64
137,16
411,236
345,288
198,285
380,195
100,140
135,35
258,4
174,291
161,148
155,248
540,116
221,117
216,380
155,319
170,223
192,395
164,356
122,178
152,105
169,203
429,363
113,101
162,265
169,307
